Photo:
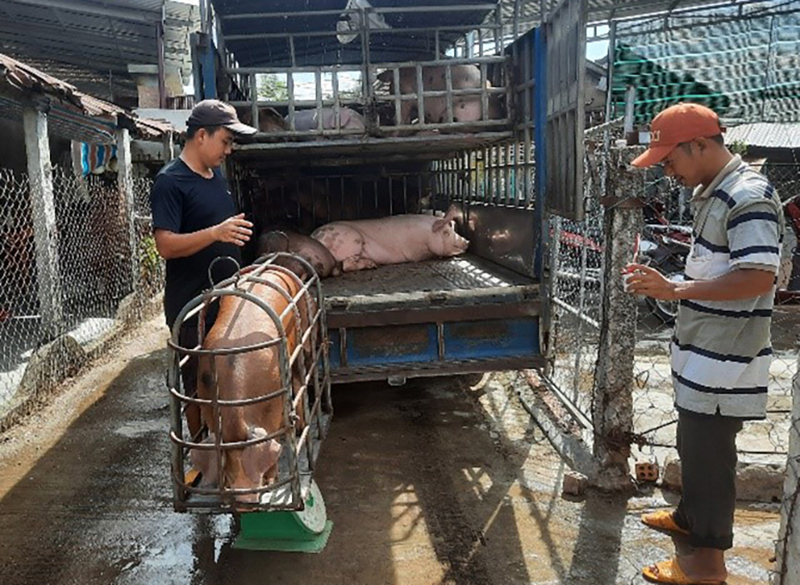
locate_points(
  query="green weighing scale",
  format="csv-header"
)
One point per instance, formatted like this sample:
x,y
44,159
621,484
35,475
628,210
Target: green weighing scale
x,y
305,530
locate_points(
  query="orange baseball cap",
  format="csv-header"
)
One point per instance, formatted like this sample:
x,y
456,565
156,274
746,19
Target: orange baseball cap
x,y
675,125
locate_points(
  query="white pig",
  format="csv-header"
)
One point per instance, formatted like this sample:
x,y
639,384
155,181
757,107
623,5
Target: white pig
x,y
392,240
466,108
305,120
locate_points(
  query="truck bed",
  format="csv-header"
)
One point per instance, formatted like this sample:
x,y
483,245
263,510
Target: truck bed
x,y
438,317
454,283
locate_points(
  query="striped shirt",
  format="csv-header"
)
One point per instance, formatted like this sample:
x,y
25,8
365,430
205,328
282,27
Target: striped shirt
x,y
721,351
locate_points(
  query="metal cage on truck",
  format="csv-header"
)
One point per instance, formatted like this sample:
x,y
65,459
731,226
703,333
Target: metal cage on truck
x,y
404,74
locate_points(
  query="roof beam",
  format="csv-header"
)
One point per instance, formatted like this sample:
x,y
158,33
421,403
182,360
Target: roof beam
x,y
143,16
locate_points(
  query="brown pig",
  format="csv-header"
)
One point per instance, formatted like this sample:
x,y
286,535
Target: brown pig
x,y
240,376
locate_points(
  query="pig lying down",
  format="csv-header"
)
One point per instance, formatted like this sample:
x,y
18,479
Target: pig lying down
x,y
392,240
306,120
307,248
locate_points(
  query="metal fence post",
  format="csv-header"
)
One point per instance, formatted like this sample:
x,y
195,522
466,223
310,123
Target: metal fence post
x,y
612,404
125,182
787,550
45,230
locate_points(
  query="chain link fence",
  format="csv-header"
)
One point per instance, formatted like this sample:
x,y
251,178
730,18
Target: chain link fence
x,y
102,284
576,268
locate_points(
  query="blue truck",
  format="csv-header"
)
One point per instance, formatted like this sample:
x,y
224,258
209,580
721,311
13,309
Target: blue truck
x,y
279,61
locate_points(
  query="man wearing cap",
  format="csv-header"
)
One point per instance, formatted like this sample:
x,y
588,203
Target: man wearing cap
x,y
195,220
721,349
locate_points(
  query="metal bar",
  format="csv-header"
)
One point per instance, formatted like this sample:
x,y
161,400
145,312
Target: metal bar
x,y
333,33
366,71
318,90
292,53
484,93
254,96
342,344
630,101
567,307
437,368
305,14
387,65
337,108
448,77
290,90
498,39
420,96
397,107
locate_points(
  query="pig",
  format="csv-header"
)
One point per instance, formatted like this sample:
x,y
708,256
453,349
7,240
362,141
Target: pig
x,y
305,120
466,108
248,375
269,120
307,248
370,243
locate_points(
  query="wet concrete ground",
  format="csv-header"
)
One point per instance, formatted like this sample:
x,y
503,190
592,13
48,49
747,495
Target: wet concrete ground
x,y
439,481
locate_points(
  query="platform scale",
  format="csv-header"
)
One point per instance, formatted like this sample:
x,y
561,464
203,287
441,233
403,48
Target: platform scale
x,y
305,530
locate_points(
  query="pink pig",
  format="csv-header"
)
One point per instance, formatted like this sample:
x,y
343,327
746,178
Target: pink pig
x,y
392,240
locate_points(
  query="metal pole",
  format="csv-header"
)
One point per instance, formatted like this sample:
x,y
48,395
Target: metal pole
x,y
612,41
787,550
630,101
162,85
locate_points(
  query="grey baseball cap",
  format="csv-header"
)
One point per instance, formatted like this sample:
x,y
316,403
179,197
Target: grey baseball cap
x,y
217,113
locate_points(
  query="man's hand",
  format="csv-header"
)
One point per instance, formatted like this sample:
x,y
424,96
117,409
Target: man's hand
x,y
742,283
234,230
643,280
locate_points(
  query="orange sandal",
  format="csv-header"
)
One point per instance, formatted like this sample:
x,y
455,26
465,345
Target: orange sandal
x,y
663,520
671,573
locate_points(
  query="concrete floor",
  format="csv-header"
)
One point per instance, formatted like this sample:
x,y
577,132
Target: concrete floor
x,y
437,482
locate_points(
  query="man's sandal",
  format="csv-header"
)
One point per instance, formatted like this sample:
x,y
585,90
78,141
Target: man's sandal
x,y
670,572
663,520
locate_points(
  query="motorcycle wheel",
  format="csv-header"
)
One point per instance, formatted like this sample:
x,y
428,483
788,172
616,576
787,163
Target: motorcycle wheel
x,y
667,311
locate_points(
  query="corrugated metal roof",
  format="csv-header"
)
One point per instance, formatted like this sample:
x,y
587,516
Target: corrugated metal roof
x,y
323,50
765,135
255,51
604,10
106,34
73,114
105,85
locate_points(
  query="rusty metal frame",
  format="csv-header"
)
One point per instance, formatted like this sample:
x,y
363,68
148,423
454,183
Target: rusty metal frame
x,y
441,368
246,77
317,416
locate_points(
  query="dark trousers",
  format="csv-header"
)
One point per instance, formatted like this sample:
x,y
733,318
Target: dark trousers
x,y
707,448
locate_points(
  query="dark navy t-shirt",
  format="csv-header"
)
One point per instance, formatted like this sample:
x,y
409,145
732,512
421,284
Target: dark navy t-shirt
x,y
184,202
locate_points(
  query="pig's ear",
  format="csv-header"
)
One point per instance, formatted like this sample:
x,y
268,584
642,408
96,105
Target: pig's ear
x,y
258,459
276,242
451,215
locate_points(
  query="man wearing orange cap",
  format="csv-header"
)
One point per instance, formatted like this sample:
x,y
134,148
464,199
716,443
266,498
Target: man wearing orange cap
x,y
720,349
